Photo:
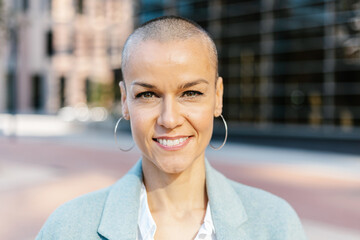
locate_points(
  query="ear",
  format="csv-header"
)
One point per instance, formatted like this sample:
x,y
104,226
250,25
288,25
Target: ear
x,y
219,90
124,106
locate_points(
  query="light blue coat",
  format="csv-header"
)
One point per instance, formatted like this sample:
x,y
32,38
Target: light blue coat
x,y
239,212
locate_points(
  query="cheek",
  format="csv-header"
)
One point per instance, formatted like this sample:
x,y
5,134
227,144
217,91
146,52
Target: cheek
x,y
141,124
202,120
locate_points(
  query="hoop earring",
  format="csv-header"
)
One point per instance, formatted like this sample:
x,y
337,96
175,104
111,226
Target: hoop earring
x,y
226,134
116,141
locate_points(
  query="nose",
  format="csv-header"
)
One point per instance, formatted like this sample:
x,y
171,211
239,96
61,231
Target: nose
x,y
170,116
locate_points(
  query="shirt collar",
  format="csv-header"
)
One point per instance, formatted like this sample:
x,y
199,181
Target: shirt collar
x,y
207,230
147,225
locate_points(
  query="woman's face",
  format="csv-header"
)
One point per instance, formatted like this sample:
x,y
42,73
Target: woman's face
x,y
171,97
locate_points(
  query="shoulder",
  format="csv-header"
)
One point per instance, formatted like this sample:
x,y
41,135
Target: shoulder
x,y
254,198
268,211
99,212
78,216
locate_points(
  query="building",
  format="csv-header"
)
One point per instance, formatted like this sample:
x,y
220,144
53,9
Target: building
x,y
290,67
62,53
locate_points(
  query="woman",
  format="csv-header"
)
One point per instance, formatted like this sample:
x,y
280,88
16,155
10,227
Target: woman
x,y
171,93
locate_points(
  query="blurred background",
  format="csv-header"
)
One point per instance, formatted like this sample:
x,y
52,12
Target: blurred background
x,y
291,70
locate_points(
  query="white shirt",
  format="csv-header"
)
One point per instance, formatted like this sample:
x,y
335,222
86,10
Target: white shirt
x,y
147,225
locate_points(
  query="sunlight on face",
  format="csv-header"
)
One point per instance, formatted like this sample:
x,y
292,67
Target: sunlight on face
x,y
171,98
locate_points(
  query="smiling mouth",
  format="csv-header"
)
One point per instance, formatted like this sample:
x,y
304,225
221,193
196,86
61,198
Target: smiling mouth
x,y
171,142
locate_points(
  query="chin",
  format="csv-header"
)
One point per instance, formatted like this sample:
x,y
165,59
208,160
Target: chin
x,y
173,165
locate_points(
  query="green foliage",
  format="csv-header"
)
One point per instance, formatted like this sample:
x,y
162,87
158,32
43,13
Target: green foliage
x,y
99,94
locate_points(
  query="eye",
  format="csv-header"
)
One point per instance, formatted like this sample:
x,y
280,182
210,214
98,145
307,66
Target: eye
x,y
146,95
191,94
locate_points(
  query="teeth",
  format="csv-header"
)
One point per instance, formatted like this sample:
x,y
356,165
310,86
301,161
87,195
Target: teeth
x,y
171,143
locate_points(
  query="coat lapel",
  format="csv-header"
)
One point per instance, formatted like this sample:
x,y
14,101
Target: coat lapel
x,y
227,210
120,215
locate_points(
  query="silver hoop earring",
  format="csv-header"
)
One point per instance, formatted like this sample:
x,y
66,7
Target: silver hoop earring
x,y
226,134
116,141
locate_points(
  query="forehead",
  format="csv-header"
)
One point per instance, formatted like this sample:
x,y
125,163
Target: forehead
x,y
171,58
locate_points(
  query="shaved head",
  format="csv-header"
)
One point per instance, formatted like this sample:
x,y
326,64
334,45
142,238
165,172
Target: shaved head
x,y
167,29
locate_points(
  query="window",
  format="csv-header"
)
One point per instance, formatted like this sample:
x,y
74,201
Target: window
x,y
25,5
62,91
80,6
49,44
36,92
117,78
11,92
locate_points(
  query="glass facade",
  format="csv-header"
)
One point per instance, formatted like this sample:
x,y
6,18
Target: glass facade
x,y
290,67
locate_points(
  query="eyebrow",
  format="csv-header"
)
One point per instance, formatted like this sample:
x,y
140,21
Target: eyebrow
x,y
146,85
182,86
193,83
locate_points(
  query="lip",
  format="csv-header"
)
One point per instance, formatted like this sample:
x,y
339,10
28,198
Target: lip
x,y
173,148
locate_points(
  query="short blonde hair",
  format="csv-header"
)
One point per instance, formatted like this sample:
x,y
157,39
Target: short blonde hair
x,y
165,29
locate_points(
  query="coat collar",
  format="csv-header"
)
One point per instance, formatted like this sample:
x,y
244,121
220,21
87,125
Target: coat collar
x,y
227,210
120,215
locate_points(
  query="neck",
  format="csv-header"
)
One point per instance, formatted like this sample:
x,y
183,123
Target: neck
x,y
183,191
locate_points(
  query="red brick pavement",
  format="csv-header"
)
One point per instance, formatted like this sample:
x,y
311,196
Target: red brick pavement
x,y
80,169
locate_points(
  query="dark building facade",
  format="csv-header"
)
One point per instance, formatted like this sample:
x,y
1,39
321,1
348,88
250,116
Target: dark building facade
x,y
290,67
